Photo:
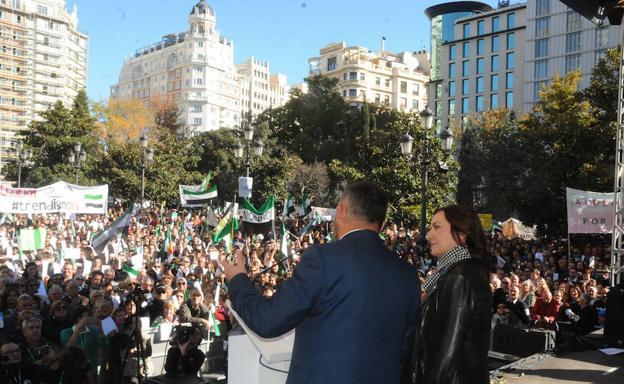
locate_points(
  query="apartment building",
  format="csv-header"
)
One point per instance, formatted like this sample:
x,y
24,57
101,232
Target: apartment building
x,y
43,59
387,79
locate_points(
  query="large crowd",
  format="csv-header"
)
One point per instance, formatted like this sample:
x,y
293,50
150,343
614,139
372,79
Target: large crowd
x,y
77,319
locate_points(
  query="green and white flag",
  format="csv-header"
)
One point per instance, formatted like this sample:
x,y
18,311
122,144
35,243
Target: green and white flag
x,y
101,239
311,224
258,221
32,239
227,234
167,245
289,207
198,195
284,249
230,212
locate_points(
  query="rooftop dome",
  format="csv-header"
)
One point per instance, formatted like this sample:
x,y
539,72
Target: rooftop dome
x,y
201,8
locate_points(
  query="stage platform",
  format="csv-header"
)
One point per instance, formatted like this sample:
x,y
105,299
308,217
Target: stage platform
x,y
587,366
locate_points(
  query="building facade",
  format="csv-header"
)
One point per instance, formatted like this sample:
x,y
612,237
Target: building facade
x,y
481,67
560,40
43,59
195,71
393,80
259,89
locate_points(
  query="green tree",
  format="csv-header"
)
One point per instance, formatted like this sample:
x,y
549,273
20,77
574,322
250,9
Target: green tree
x,y
560,142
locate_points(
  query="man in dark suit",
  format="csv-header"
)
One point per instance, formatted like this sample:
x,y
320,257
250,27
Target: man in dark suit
x,y
518,307
353,303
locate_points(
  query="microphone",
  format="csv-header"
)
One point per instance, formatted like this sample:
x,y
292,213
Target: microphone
x,y
268,268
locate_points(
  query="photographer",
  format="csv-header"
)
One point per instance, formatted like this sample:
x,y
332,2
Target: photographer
x,y
34,349
184,358
195,311
14,370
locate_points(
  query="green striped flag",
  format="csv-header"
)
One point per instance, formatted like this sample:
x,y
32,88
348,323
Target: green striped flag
x,y
131,270
283,249
32,239
216,324
198,195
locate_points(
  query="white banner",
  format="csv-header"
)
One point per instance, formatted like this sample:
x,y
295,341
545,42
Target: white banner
x,y
57,197
326,214
589,212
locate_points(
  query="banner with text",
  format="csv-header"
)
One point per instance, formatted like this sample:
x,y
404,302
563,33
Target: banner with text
x,y
589,212
57,197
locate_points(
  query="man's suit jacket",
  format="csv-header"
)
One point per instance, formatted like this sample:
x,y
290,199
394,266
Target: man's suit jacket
x,y
354,306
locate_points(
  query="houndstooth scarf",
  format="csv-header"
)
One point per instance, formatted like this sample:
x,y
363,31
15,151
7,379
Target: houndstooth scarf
x,y
451,257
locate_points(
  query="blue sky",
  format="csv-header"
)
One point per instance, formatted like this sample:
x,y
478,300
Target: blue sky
x,y
284,32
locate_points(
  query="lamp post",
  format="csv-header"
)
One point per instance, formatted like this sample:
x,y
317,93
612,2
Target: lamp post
x,y
77,158
240,150
147,155
22,154
406,142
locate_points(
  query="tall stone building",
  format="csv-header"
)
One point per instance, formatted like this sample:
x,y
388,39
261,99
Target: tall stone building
x,y
43,58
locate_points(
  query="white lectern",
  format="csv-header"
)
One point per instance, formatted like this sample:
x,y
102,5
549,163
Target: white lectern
x,y
246,350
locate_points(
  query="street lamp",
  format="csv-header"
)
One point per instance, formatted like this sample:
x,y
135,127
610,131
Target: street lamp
x,y
240,149
77,158
147,155
22,155
406,141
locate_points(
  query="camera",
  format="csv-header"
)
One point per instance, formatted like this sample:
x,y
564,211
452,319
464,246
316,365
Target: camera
x,y
42,351
140,296
182,333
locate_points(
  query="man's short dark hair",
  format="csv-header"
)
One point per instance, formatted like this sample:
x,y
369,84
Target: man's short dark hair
x,y
367,201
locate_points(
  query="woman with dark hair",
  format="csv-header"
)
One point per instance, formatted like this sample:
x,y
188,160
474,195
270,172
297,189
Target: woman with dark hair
x,y
31,271
57,320
453,338
8,301
74,367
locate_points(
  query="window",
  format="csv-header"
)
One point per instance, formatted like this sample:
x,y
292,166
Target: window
x,y
386,100
541,47
508,99
387,83
573,42
403,103
494,64
465,68
480,27
541,69
480,65
510,60
511,40
480,84
377,98
438,90
377,80
573,21
599,54
403,86
495,43
602,37
542,7
465,86
438,108
541,27
466,28
331,63
451,107
493,101
344,76
452,52
352,75
465,105
494,83
537,87
495,24
572,62
466,49
452,70
451,89
479,103
362,76
509,80
42,10
196,108
352,92
511,20
480,47
197,121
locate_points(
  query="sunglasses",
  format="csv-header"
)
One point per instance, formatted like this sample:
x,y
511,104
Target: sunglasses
x,y
181,282
60,308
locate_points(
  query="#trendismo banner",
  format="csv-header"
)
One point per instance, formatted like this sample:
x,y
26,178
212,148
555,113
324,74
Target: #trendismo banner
x,y
58,197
